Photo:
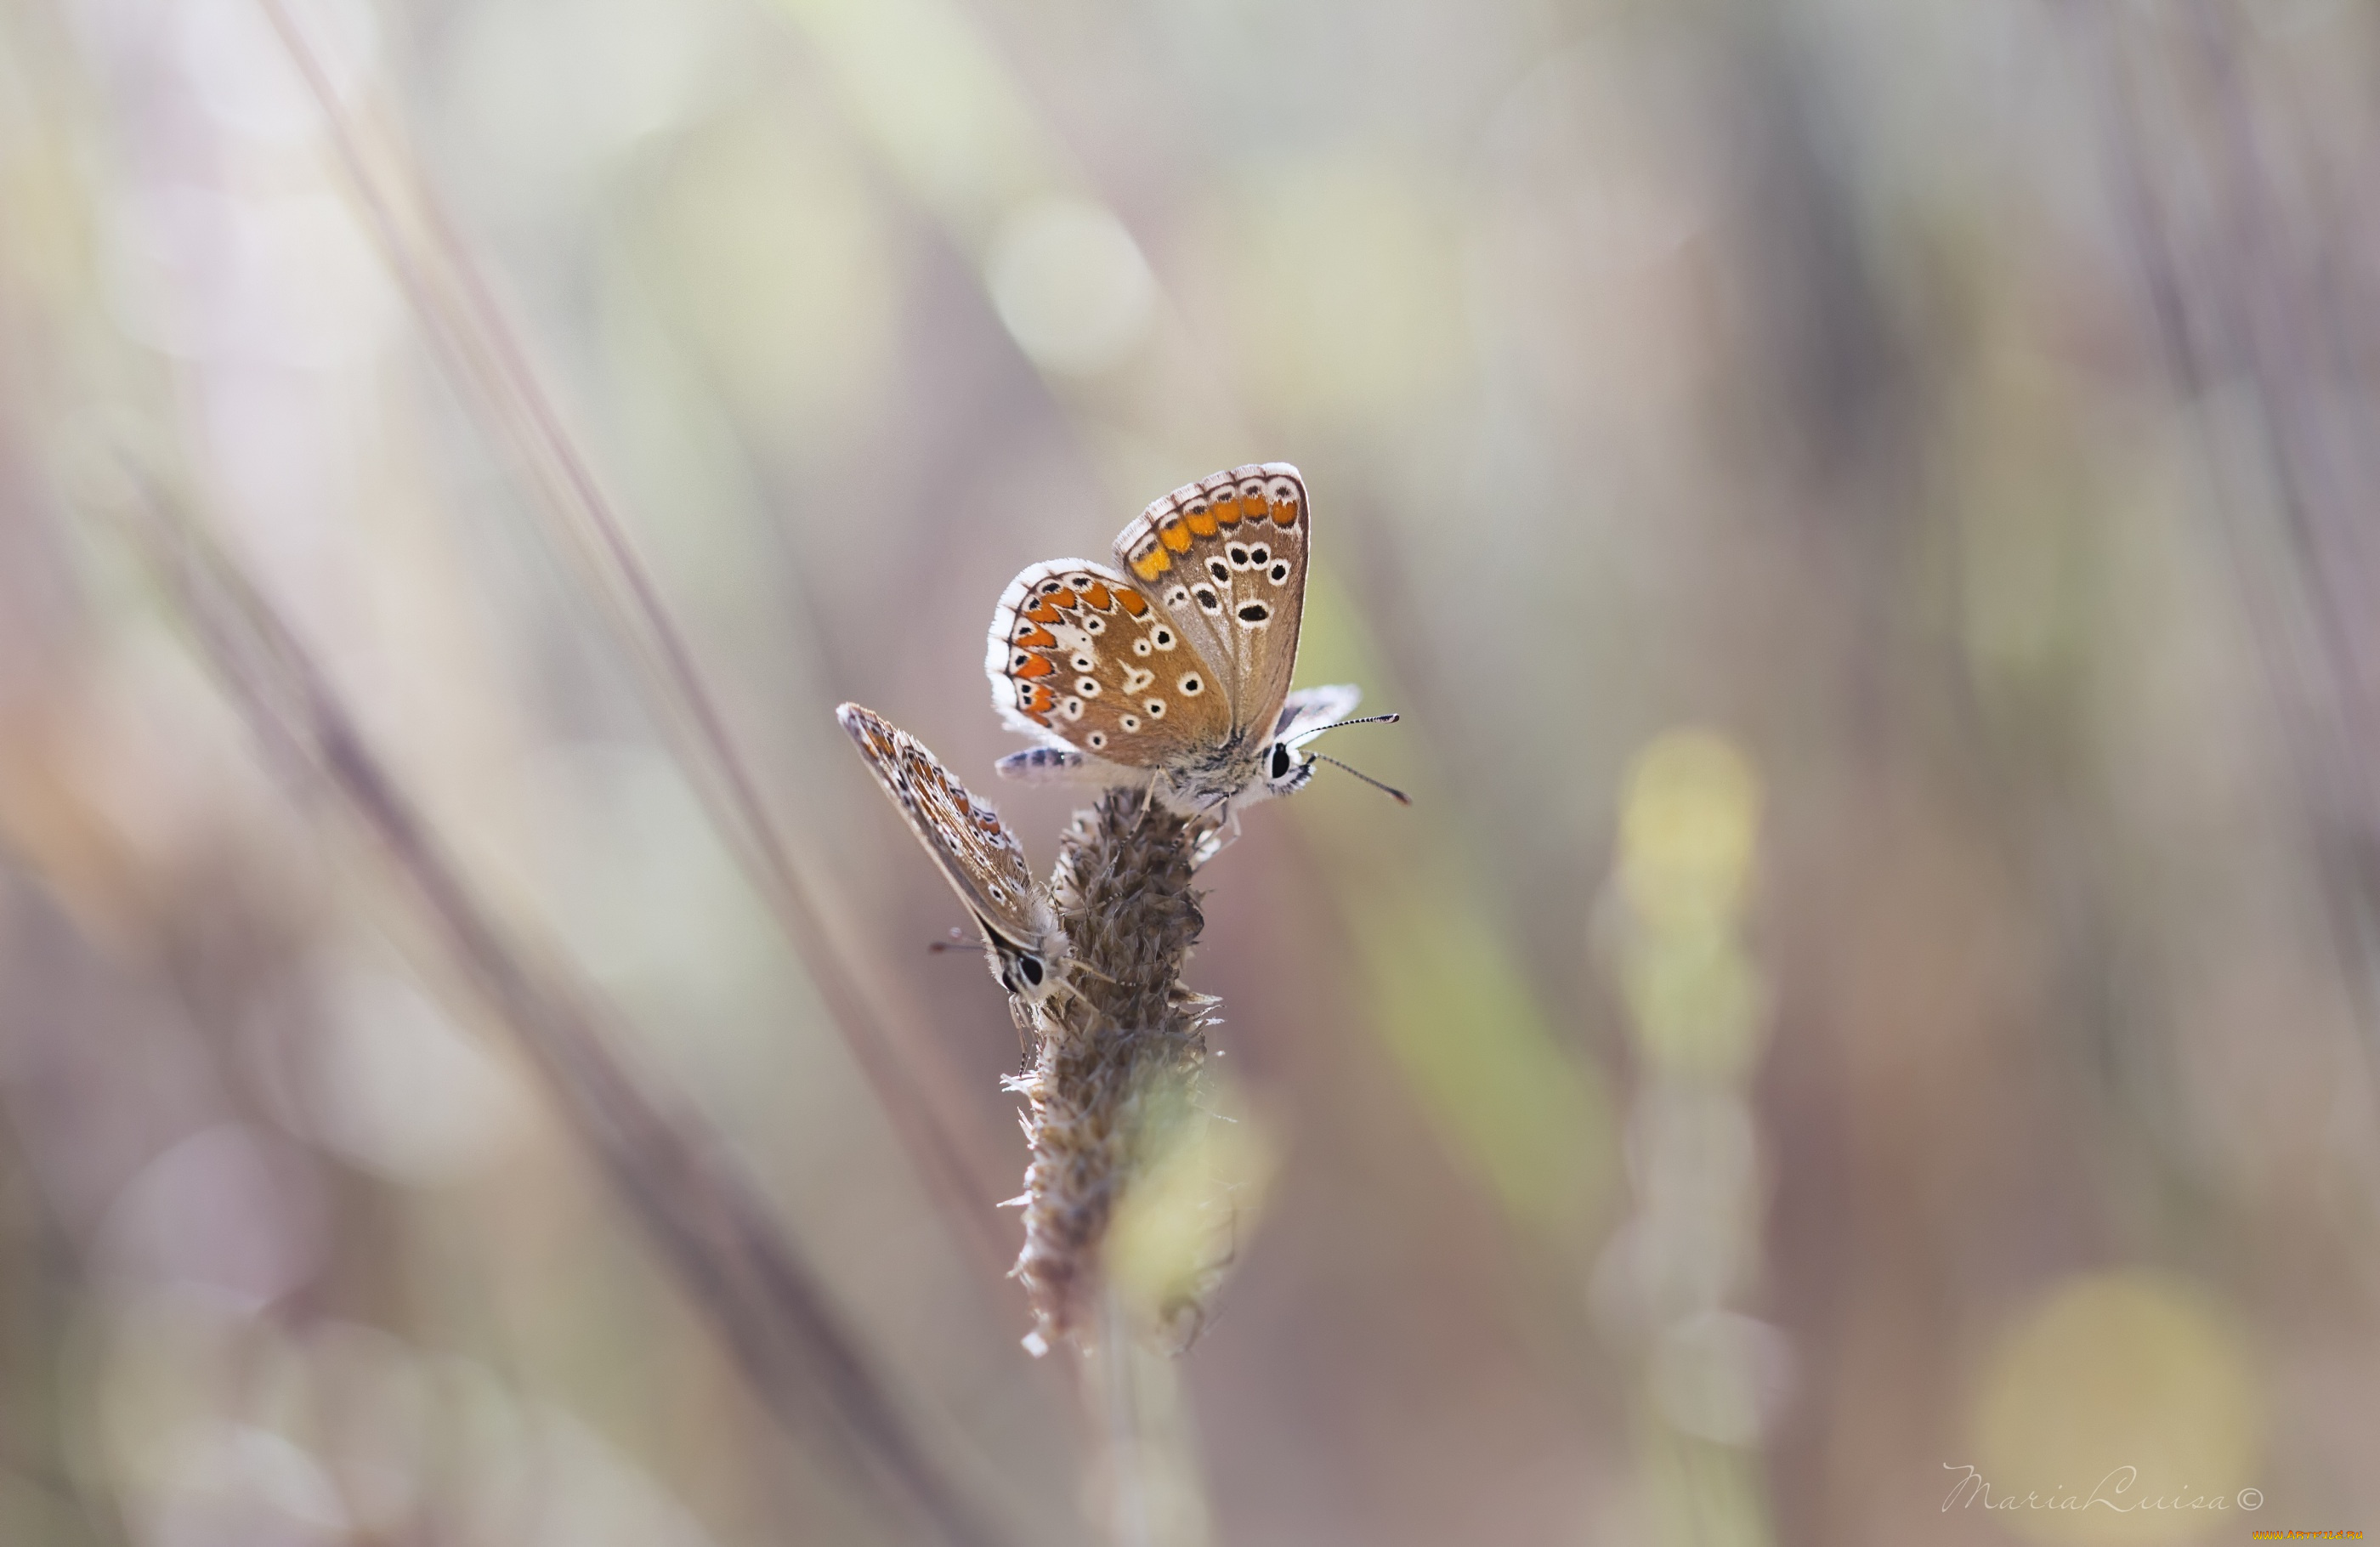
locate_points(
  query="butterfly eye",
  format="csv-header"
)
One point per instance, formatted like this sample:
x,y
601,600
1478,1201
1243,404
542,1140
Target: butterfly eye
x,y
1029,968
1280,760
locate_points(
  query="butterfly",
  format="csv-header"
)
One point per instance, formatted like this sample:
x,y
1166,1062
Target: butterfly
x,y
975,850
1174,671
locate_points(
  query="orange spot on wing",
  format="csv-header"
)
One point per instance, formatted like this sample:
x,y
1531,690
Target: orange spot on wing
x,y
1133,602
1099,596
1174,534
1063,598
1042,612
1200,521
1040,638
1042,720
1040,665
1226,509
1284,513
1148,567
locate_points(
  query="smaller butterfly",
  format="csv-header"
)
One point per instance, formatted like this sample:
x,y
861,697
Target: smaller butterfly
x,y
975,850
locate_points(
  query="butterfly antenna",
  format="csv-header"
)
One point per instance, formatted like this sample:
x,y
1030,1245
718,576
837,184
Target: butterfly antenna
x,y
1402,799
1341,724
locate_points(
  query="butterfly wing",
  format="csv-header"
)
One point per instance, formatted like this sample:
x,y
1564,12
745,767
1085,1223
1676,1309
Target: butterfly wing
x,y
1305,712
1225,560
972,847
1080,659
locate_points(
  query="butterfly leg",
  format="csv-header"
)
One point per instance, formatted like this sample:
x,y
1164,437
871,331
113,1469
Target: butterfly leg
x,y
1025,1034
1212,841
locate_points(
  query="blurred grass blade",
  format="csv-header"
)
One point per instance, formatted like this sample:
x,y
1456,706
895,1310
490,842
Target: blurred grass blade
x,y
478,342
705,1216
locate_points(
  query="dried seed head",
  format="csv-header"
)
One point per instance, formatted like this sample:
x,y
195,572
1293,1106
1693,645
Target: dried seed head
x,y
1115,1090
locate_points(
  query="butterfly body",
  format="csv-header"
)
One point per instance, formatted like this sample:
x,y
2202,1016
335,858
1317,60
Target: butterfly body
x,y
975,851
1174,669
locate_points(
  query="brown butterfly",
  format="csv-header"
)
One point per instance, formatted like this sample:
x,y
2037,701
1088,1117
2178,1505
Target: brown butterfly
x,y
975,851
1178,676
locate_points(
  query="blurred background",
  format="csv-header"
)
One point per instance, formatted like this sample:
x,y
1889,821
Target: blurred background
x,y
1865,510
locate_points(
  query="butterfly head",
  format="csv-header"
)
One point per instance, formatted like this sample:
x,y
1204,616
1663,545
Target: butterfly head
x,y
1023,973
1287,768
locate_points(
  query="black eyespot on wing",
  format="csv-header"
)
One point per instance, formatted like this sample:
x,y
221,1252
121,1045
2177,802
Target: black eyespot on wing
x,y
1208,600
1239,554
1096,740
1092,625
1279,572
1255,612
1140,647
1052,586
1221,571
1164,637
1191,686
1082,662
